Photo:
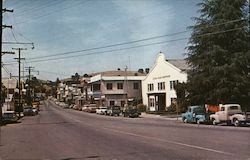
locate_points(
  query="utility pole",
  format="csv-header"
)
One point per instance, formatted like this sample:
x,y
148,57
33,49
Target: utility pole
x,y
126,83
19,76
29,69
1,40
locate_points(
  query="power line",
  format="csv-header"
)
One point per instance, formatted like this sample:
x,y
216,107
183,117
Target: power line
x,y
39,7
130,42
108,46
133,47
55,11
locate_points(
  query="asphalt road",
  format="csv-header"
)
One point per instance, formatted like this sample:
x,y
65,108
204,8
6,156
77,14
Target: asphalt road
x,y
65,134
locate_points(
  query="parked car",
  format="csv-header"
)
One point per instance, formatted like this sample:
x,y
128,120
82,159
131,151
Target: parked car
x,y
28,111
230,114
131,112
72,106
65,106
9,117
85,108
195,114
113,110
101,110
35,110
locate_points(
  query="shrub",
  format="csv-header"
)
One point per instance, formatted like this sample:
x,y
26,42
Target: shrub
x,y
141,107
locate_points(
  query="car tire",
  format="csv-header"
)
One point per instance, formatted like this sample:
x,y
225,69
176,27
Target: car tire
x,y
198,121
214,122
184,120
236,122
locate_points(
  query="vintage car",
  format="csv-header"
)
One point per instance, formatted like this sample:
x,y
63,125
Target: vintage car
x,y
101,110
230,114
9,117
113,110
195,114
28,111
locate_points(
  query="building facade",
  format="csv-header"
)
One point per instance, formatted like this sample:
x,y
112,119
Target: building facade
x,y
116,87
158,86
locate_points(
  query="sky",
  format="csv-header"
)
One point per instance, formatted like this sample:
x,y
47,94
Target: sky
x,y
86,36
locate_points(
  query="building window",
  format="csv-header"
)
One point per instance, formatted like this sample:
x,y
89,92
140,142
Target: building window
x,y
161,86
122,103
96,87
109,86
136,85
150,87
119,85
173,83
151,102
111,103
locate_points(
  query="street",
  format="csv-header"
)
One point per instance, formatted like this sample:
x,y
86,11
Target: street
x,y
65,134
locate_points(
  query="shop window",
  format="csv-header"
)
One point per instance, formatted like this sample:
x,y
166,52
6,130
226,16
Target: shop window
x,y
150,87
119,85
161,86
109,86
151,102
173,83
111,103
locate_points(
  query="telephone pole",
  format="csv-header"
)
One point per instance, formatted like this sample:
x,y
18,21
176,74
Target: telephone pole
x,y
29,69
19,77
1,35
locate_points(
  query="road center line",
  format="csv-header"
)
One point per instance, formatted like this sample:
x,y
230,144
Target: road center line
x,y
168,141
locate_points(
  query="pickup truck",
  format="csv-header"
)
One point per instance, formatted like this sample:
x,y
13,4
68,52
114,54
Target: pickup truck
x,y
195,114
230,114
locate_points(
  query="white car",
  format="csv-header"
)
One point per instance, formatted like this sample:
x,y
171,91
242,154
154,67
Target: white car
x,y
101,110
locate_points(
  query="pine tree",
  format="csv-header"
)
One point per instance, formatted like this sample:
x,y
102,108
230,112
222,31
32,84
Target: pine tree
x,y
219,53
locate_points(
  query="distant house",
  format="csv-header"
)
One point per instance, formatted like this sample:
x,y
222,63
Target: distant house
x,y
116,87
158,87
11,88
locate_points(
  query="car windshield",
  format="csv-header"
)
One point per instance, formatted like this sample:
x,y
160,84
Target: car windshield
x,y
8,114
199,110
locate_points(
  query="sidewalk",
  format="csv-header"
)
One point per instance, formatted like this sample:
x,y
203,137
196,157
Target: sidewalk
x,y
167,117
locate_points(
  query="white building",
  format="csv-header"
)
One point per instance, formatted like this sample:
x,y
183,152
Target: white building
x,y
158,87
11,88
116,87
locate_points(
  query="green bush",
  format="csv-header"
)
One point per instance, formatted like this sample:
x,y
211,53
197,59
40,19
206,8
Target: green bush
x,y
141,107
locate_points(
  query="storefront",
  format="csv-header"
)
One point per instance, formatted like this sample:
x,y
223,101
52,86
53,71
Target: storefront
x,y
158,87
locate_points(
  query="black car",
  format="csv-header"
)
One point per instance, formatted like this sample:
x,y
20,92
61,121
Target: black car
x,y
132,113
28,111
9,117
113,110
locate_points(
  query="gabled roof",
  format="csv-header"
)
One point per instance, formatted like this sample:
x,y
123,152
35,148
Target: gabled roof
x,y
179,63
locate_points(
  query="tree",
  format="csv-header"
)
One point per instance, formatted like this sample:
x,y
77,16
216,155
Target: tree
x,y
219,54
141,70
181,93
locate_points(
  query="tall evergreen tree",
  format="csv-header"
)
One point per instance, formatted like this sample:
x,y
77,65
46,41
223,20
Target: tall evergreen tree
x,y
219,53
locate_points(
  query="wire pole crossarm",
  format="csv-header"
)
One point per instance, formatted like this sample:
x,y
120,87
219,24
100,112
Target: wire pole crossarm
x,y
7,52
7,10
6,26
18,43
